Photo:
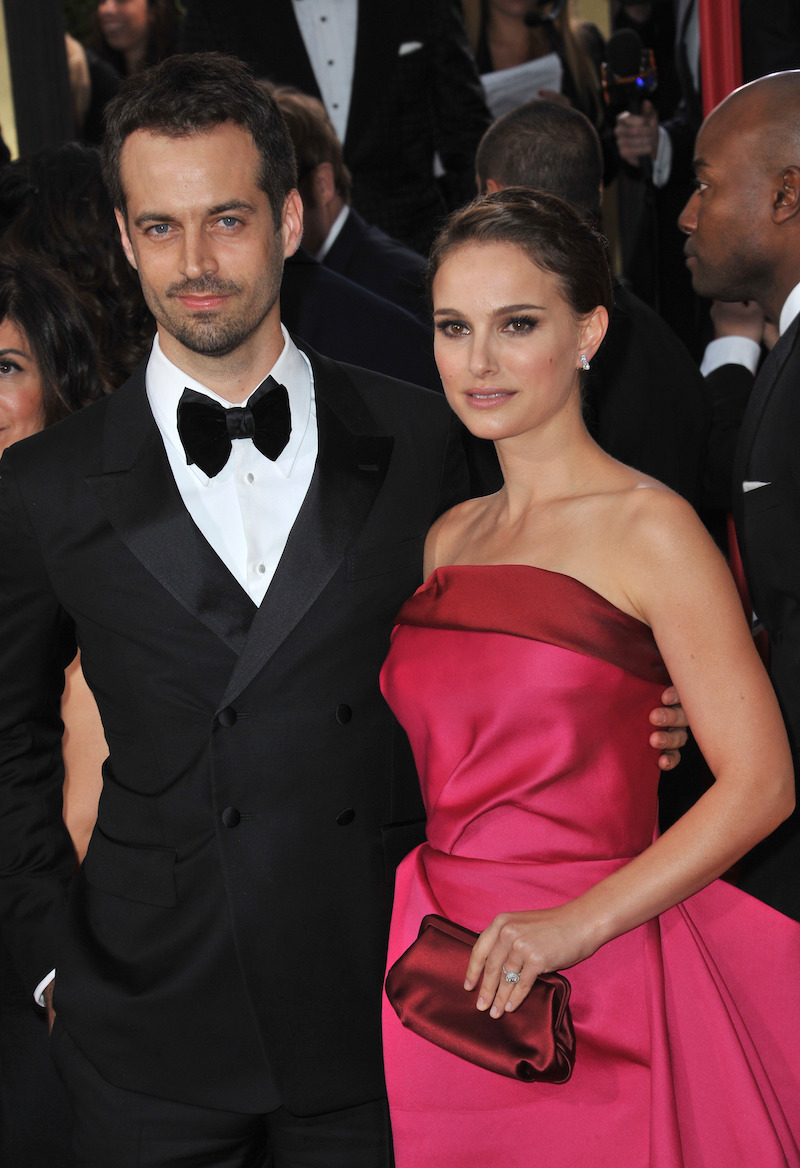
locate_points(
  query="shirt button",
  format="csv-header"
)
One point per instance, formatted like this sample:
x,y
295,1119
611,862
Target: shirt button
x,y
343,714
251,478
261,569
346,817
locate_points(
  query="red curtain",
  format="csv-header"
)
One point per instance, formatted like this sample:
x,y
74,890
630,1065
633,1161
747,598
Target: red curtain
x,y
720,50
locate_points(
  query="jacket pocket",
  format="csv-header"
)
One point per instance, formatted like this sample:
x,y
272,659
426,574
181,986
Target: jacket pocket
x,y
131,872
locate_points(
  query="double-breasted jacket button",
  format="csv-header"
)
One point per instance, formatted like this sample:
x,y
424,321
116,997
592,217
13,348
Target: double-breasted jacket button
x,y
231,817
346,817
343,714
227,717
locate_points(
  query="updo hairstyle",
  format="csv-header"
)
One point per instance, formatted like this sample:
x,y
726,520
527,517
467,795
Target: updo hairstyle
x,y
547,229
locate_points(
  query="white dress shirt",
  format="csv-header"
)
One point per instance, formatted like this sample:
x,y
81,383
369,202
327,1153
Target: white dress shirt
x,y
329,29
246,511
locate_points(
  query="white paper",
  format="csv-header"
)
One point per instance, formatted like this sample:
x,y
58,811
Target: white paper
x,y
508,88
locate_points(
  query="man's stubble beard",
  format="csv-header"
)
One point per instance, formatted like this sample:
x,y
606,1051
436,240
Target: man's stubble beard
x,y
205,335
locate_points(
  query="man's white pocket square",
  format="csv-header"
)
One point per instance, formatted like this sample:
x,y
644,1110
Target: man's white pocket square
x,y
409,47
752,485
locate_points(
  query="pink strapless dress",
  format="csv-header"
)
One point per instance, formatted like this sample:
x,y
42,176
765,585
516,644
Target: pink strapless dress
x,y
525,697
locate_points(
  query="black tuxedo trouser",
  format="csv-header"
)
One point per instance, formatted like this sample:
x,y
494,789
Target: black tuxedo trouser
x,y
123,1129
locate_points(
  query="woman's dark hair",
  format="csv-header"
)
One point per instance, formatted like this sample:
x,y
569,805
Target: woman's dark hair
x,y
163,28
191,94
41,303
551,233
54,204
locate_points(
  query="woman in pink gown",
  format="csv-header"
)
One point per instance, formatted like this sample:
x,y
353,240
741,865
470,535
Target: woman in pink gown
x,y
523,671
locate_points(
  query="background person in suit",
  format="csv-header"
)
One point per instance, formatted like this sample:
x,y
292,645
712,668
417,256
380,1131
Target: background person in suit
x,y
219,955
398,81
743,228
332,230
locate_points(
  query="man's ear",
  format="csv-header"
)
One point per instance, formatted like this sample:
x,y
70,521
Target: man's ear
x,y
492,186
123,234
292,225
787,200
323,184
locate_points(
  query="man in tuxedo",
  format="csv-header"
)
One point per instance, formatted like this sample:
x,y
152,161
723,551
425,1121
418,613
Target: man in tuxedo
x,y
228,537
743,228
398,81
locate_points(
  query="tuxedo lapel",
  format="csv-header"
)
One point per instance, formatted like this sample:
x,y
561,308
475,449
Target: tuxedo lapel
x,y
377,43
288,45
766,381
138,494
351,467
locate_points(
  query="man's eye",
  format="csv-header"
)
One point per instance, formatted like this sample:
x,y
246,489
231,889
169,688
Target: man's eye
x,y
158,229
229,221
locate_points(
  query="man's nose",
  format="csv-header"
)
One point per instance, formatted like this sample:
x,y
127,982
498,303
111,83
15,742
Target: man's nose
x,y
687,220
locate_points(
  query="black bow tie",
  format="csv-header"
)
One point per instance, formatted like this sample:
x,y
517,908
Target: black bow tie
x,y
207,428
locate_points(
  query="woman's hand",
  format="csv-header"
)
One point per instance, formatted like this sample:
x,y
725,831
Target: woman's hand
x,y
527,944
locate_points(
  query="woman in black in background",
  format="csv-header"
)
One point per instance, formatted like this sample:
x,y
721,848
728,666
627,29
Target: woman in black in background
x,y
48,369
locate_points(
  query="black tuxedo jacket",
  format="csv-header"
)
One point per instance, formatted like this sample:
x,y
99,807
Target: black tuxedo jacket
x,y
768,530
368,256
405,106
228,924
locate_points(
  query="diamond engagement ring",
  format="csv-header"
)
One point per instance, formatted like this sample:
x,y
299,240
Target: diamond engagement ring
x,y
511,978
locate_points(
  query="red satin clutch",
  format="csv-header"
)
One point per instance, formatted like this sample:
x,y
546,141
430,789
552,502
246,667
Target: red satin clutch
x,y
534,1043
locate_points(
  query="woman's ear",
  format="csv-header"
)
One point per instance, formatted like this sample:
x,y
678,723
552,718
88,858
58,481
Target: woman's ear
x,y
593,329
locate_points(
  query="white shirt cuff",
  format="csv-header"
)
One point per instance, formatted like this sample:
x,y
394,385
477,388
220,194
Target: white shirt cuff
x,y
731,351
38,993
662,163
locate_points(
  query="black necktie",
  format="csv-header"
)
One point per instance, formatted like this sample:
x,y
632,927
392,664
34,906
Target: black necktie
x,y
207,429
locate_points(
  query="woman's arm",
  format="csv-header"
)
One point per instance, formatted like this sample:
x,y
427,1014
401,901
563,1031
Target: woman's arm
x,y
675,578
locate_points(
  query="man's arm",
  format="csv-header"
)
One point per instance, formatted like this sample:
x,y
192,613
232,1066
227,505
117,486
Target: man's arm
x,y
37,641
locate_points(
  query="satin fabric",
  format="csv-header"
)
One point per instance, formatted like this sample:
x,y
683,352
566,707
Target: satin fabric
x,y
525,696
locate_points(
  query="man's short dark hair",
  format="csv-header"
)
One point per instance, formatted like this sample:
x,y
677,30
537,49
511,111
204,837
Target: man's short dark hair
x,y
548,147
193,93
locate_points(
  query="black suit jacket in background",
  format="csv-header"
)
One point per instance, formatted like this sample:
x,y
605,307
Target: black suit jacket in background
x,y
349,323
369,257
768,531
230,918
406,106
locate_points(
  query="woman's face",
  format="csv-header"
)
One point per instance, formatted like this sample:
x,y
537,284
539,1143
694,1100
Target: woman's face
x,y
123,23
507,344
21,407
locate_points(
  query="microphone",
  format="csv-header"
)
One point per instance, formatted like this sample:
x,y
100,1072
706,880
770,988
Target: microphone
x,y
629,76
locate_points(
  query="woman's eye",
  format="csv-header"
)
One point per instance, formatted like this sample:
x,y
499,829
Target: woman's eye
x,y
452,328
521,324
